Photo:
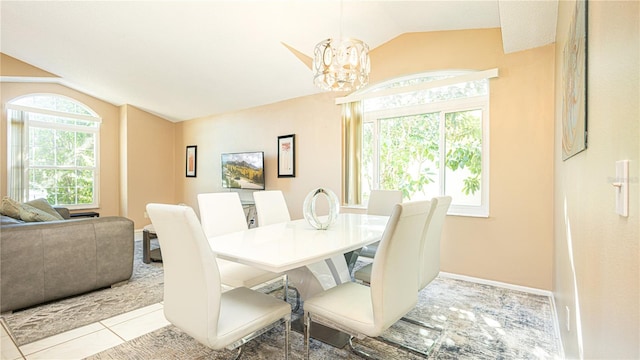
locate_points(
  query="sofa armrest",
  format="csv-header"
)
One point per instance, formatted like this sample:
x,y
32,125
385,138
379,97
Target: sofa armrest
x,y
63,211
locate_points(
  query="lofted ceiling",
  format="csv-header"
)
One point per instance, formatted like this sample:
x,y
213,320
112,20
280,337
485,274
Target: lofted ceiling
x,y
187,59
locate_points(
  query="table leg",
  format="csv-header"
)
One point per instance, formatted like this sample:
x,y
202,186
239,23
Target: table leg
x,y
146,247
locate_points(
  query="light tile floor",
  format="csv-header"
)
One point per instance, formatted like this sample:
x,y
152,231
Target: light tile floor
x,y
90,339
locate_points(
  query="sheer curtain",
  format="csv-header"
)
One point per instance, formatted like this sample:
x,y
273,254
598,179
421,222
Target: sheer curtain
x,y
17,155
352,113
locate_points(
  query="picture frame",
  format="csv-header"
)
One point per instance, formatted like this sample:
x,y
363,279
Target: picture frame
x,y
286,156
574,83
191,161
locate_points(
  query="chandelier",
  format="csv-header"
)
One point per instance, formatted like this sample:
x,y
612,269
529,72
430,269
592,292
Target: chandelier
x,y
341,64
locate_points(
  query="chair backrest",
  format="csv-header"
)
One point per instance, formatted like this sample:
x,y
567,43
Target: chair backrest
x,y
430,246
271,207
394,276
381,202
191,279
221,213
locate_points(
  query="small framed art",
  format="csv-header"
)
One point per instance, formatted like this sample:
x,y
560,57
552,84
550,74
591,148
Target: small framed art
x,y
286,156
191,161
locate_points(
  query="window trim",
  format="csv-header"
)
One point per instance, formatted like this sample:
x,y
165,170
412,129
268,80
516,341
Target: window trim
x,y
461,76
384,89
94,117
444,107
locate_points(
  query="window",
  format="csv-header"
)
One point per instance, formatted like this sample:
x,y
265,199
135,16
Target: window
x,y
53,151
428,141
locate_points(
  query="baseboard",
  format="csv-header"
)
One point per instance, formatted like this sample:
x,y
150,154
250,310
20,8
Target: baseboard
x,y
521,288
554,313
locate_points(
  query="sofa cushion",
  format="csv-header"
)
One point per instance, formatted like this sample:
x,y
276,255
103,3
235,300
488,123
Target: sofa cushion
x,y
25,211
43,204
30,213
10,207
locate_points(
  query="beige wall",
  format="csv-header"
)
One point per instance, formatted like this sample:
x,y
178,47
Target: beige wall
x,y
148,164
315,121
596,250
13,67
514,244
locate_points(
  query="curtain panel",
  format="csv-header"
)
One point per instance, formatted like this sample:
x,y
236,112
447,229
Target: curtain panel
x,y
352,114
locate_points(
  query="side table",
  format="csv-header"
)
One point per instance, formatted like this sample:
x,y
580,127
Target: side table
x,y
149,255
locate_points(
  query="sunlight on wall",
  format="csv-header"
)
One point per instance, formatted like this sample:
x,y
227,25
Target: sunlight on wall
x,y
575,282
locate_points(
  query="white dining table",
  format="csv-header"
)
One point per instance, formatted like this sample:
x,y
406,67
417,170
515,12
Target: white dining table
x,y
293,244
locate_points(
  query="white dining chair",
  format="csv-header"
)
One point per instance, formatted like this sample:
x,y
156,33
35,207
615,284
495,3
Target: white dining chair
x,y
430,245
271,207
221,213
193,297
429,263
310,279
361,310
381,202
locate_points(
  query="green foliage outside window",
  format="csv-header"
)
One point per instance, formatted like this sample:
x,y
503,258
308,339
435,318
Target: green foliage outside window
x,y
62,150
405,151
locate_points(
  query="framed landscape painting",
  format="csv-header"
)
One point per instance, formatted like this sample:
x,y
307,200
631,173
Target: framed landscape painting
x,y
574,82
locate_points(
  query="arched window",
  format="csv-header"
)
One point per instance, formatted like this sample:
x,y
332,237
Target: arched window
x,y
53,150
426,135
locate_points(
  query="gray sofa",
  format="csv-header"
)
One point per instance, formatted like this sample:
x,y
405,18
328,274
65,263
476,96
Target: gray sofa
x,y
44,261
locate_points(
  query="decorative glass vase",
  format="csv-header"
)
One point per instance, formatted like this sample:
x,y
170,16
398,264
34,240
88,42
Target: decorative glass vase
x,y
309,208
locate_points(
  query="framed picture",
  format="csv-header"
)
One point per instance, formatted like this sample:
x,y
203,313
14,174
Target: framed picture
x,y
286,156
574,83
191,161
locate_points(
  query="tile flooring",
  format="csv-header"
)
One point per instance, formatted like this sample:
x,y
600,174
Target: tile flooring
x,y
90,339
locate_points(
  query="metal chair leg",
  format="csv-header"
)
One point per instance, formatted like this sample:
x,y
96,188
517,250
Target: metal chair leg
x,y
307,331
400,345
287,343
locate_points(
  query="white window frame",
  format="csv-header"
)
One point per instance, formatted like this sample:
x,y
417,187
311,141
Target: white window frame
x,y
442,107
93,117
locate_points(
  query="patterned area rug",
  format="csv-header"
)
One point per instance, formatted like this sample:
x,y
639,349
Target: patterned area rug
x,y
477,322
144,288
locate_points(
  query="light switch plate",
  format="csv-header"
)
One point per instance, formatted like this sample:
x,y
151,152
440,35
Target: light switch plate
x,y
622,187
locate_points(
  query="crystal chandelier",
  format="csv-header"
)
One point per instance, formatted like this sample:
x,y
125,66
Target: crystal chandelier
x,y
341,64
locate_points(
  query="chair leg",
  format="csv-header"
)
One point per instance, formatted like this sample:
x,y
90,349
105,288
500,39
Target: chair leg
x,y
237,356
307,332
414,350
287,343
360,353
400,345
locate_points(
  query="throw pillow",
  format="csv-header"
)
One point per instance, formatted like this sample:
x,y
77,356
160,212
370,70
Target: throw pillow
x,y
31,214
10,208
44,205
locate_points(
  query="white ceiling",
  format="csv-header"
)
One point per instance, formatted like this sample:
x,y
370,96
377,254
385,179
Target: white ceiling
x,y
182,60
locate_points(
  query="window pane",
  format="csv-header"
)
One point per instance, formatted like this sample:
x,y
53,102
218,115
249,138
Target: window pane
x,y
463,156
85,150
85,187
409,155
42,184
421,97
56,103
65,148
61,154
41,147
